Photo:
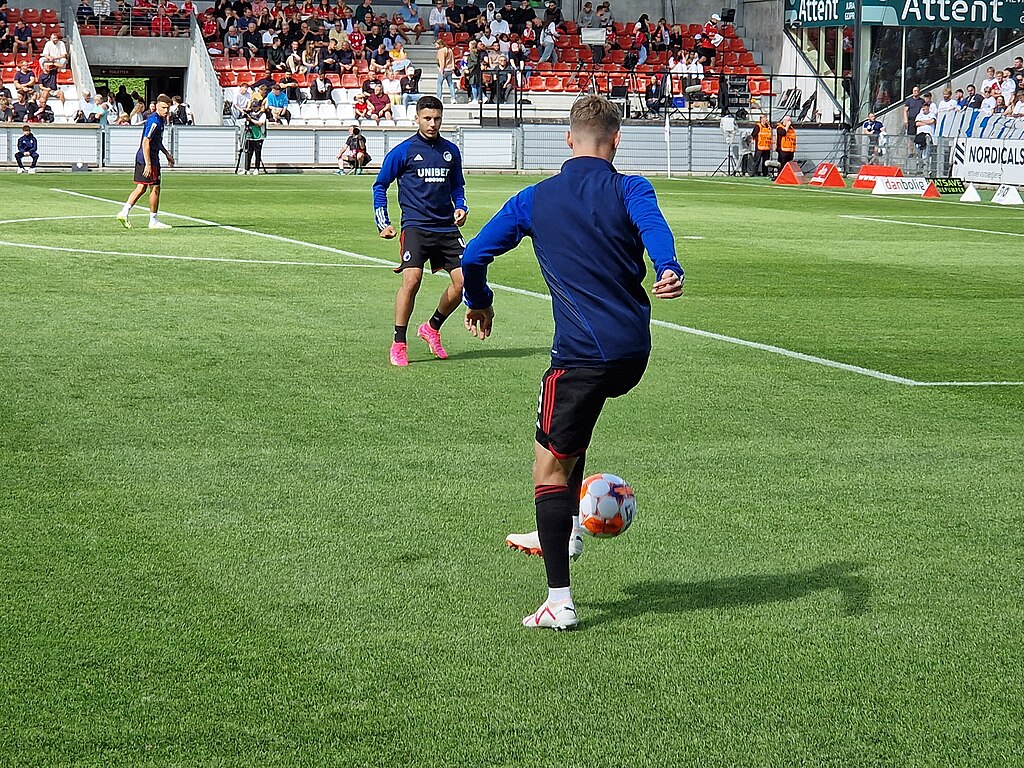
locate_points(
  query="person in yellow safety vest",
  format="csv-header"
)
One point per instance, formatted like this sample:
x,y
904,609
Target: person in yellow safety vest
x,y
786,140
762,139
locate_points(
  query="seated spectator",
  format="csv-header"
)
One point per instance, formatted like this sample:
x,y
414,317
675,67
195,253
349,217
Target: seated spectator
x,y
277,57
454,15
84,12
502,81
6,113
991,79
357,41
499,26
101,9
277,106
1016,107
98,110
23,42
524,17
25,80
988,102
587,18
114,111
294,60
438,20
380,60
948,103
232,41
242,101
392,85
290,88
252,42
311,58
380,104
346,59
48,83
1000,105
411,22
361,107
329,59
6,39
21,108
410,83
353,156
55,52
210,32
162,27
1007,84
471,17
320,88
28,148
973,100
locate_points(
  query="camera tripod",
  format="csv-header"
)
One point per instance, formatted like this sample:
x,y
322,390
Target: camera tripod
x,y
243,147
585,69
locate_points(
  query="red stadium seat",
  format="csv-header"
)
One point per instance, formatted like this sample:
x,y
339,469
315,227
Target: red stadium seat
x,y
256,64
534,83
108,30
48,16
694,29
585,54
615,57
13,14
709,85
140,31
65,78
570,55
87,29
461,37
350,81
619,27
244,78
239,64
552,83
570,27
228,79
334,79
221,63
30,15
447,37
6,59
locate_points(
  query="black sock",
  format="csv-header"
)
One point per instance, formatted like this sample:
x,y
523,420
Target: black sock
x,y
437,320
400,333
554,525
576,477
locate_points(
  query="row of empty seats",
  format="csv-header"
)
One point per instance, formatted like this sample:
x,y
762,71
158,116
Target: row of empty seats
x,y
32,15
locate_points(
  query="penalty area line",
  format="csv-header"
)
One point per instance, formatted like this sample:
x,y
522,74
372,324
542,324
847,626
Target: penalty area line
x,y
835,364
930,226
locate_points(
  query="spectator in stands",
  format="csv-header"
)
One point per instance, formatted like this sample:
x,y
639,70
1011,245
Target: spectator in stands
x,y
294,60
6,113
438,20
959,98
911,107
329,59
123,99
232,41
925,125
211,31
641,39
353,155
472,19
25,80
991,79
23,42
609,17
445,69
502,81
873,130
361,107
1000,106
373,40
28,147
84,12
365,9
587,18
552,14
6,40
1007,84
252,41
392,84
277,57
675,37
454,15
277,106
162,26
114,110
410,83
499,26
21,108
710,39
524,17
973,99
179,113
357,39
311,58
243,99
948,103
988,103
473,71
411,21
548,35
380,60
785,140
320,88
48,83
1016,107
660,36
380,104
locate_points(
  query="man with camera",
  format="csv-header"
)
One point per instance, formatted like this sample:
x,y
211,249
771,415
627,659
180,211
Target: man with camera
x,y
254,131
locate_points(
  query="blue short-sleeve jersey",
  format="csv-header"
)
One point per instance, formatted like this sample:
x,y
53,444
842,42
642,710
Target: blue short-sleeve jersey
x,y
154,131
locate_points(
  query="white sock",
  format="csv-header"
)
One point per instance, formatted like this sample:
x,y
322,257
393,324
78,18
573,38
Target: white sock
x,y
575,524
126,210
152,217
559,595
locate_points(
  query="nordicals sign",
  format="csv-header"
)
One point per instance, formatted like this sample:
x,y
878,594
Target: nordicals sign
x,y
988,160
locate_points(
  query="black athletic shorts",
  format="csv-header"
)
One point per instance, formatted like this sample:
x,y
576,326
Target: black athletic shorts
x,y
443,250
140,179
571,399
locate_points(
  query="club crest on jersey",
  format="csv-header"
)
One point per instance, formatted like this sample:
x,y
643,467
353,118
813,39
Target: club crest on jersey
x,y
448,157
406,256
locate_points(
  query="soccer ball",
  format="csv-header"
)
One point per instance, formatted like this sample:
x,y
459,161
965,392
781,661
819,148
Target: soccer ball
x,y
607,505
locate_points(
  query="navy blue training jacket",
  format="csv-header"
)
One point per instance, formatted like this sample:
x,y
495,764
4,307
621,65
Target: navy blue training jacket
x,y
590,226
430,184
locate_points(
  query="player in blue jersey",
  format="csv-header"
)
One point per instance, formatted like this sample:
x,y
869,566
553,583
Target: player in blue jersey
x,y
147,166
432,196
590,226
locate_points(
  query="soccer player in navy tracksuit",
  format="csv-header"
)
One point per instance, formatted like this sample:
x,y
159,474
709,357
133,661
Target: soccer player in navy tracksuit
x,y
147,166
590,226
27,147
432,195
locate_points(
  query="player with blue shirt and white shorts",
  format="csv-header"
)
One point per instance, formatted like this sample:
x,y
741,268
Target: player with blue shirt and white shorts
x,y
590,226
432,196
147,166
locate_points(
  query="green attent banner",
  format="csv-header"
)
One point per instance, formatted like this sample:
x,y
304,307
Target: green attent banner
x,y
969,14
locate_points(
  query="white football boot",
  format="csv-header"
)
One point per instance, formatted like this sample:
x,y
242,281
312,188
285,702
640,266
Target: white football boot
x,y
529,543
557,617
158,225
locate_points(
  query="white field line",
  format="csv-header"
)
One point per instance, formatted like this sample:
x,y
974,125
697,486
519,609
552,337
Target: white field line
x,y
661,323
51,218
930,226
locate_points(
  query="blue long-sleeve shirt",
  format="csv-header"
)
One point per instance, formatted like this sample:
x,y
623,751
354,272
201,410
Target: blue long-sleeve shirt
x,y
430,184
27,144
589,226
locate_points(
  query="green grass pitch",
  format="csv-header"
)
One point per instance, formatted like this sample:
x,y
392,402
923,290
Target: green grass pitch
x,y
233,535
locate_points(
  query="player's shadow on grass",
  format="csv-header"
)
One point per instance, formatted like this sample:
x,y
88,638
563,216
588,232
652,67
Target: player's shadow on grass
x,y
484,352
737,592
